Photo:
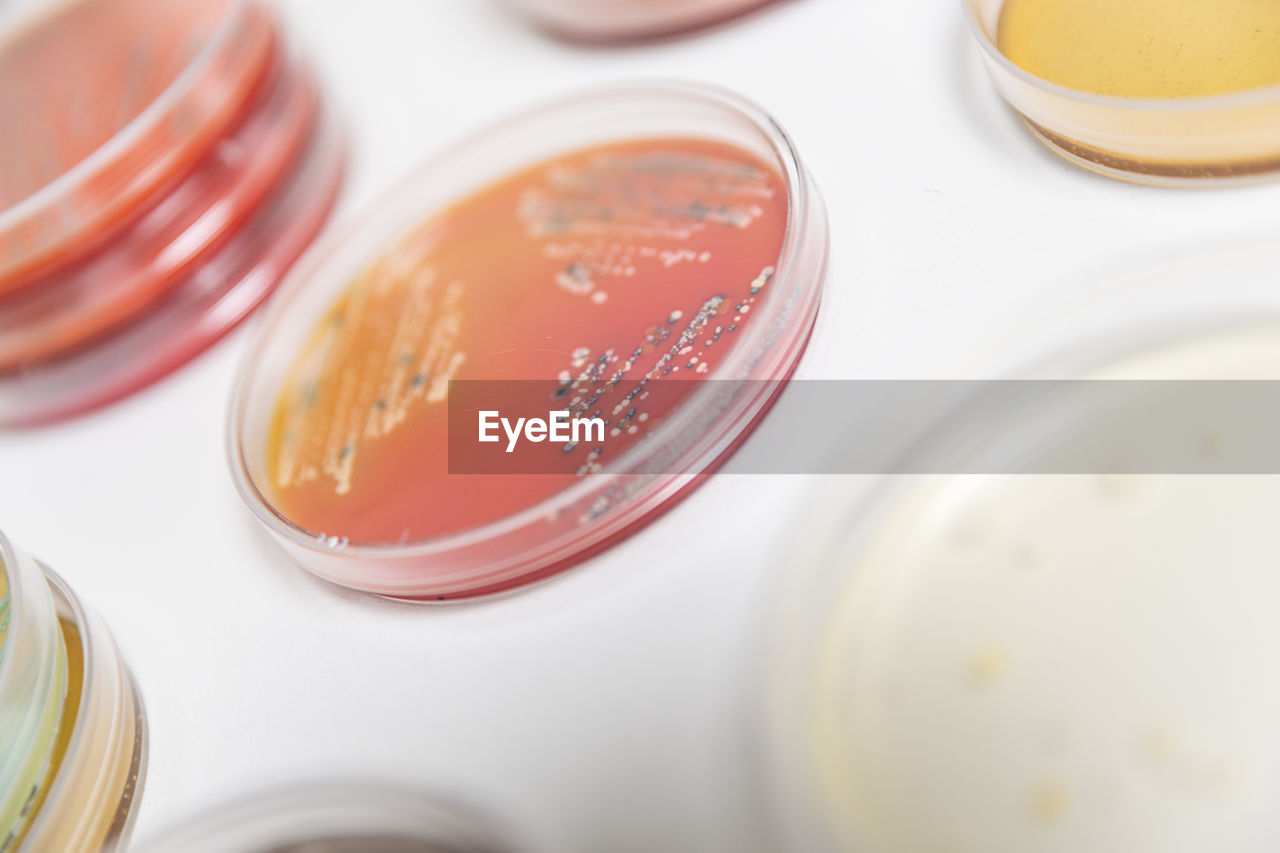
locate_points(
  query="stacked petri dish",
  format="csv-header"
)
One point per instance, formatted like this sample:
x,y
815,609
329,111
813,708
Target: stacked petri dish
x,y
626,20
161,166
71,719
648,255
334,818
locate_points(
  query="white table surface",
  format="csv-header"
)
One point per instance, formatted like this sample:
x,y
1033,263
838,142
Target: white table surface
x,y
604,711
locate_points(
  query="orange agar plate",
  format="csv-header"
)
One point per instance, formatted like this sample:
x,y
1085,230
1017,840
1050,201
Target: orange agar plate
x,y
596,268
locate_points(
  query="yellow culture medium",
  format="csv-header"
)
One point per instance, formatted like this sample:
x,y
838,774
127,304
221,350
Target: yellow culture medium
x,y
67,717
1169,92
1145,48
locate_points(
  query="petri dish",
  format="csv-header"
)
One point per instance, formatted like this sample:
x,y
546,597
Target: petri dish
x,y
150,257
206,304
105,102
334,818
72,720
1039,663
575,250
166,228
623,20
1166,92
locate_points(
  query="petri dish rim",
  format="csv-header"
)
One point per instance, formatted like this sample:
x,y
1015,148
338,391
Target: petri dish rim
x,y
119,142
326,807
595,27
1195,104
116,738
803,212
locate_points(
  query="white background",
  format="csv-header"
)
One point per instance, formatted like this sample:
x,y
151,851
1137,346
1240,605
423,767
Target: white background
x,y
607,710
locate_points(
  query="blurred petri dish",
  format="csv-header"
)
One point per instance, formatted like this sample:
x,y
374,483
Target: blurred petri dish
x,y
104,102
624,20
580,250
73,722
334,818
1039,664
203,306
223,167
150,257
1168,92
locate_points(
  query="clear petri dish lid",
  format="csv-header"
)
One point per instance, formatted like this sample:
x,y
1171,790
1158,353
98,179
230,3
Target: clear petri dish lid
x,y
622,20
103,102
334,818
33,681
574,252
